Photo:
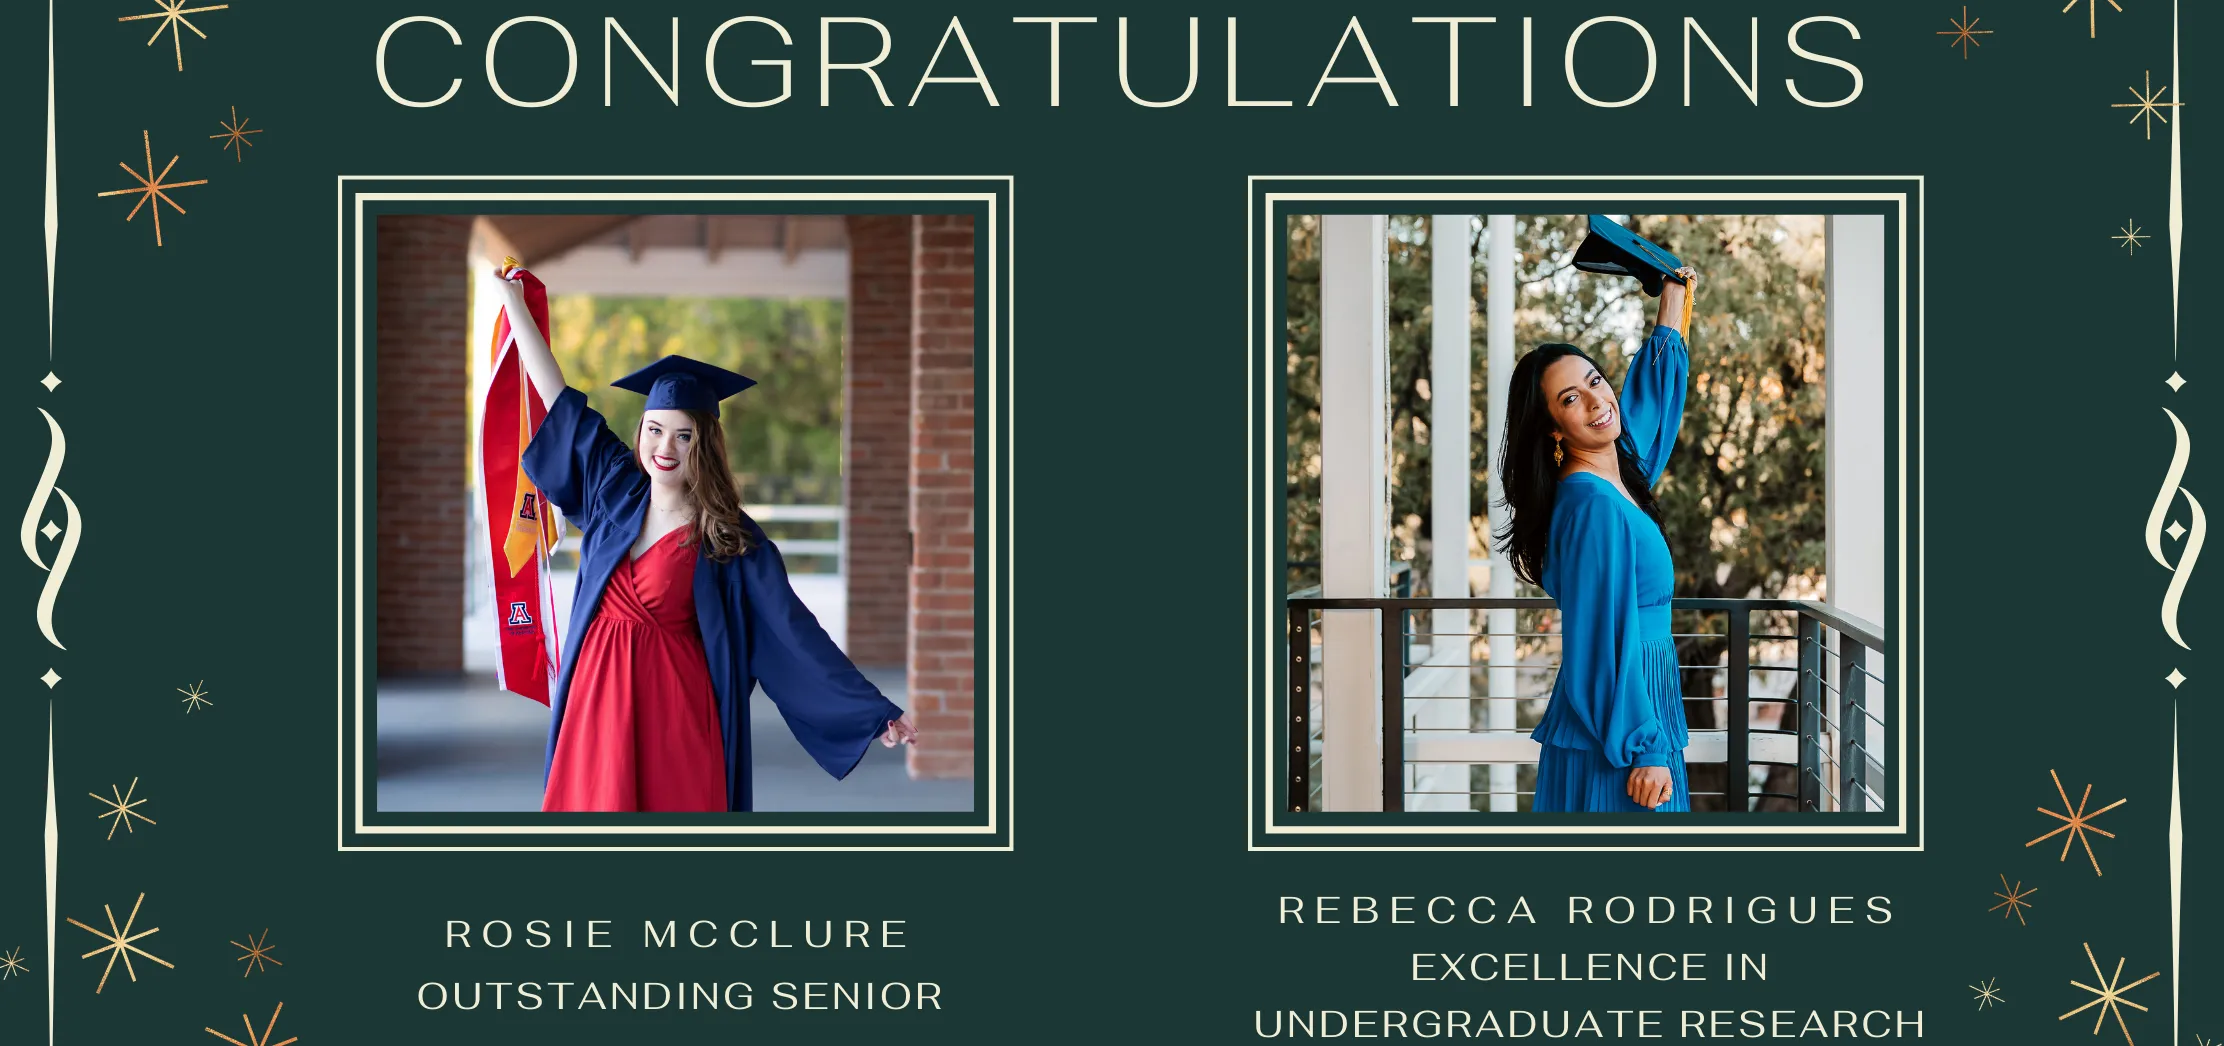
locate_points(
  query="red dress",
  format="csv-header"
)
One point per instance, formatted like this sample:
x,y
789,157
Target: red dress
x,y
641,729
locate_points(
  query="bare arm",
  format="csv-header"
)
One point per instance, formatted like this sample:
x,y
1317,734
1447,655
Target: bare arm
x,y
540,363
1672,294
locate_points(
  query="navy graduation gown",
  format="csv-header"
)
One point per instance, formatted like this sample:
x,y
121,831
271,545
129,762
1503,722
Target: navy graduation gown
x,y
754,628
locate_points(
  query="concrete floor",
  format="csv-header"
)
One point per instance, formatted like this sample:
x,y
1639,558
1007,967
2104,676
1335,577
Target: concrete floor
x,y
459,743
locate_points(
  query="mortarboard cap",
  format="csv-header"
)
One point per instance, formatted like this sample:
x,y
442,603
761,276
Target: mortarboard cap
x,y
1615,251
679,383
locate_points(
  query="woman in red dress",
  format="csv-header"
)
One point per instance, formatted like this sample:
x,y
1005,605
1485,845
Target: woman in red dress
x,y
683,606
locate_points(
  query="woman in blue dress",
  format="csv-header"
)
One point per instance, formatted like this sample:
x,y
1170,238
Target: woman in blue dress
x,y
1579,463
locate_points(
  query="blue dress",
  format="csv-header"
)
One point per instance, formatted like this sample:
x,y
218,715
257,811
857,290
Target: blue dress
x,y
1617,702
754,629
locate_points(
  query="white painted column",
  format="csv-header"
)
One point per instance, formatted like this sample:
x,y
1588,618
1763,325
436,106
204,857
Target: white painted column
x,y
1355,447
1499,359
1854,390
1853,375
1450,274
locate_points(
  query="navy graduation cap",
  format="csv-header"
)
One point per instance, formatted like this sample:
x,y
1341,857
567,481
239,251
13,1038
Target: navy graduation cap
x,y
1615,251
680,383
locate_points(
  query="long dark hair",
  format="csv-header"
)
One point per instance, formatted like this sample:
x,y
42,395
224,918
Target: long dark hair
x,y
1525,464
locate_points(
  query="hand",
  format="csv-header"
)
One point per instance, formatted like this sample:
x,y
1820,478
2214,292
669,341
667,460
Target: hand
x,y
900,732
509,291
1650,786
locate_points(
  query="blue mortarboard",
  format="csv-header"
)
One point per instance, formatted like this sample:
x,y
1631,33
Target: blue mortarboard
x,y
1615,251
679,383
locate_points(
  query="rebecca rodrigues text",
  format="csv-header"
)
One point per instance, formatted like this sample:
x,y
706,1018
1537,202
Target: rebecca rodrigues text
x,y
677,995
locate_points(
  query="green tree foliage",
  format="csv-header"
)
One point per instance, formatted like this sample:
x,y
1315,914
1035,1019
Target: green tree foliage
x,y
784,436
1742,495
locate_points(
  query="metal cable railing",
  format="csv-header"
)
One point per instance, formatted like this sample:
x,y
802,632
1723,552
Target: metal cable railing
x,y
1824,662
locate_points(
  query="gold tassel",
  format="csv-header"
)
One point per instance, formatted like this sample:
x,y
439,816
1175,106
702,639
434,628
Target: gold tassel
x,y
1690,295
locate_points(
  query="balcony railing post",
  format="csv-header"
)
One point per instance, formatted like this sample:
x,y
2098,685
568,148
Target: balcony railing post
x,y
1300,701
1810,713
1393,709
1734,790
1853,766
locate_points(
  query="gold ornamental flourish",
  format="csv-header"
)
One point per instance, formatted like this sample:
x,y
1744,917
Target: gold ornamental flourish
x,y
2149,106
235,135
173,15
1964,32
252,1038
2092,15
2076,822
151,186
2111,996
2013,900
258,952
119,943
121,807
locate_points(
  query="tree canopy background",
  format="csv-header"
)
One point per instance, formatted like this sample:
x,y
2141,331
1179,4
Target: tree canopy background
x,y
783,436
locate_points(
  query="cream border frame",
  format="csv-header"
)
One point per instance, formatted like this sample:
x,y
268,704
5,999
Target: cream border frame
x,y
351,291
1261,256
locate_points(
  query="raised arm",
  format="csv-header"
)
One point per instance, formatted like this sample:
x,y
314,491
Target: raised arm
x,y
832,709
1601,628
1653,391
540,362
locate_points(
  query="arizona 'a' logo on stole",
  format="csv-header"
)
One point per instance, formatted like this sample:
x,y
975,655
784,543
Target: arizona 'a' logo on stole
x,y
522,527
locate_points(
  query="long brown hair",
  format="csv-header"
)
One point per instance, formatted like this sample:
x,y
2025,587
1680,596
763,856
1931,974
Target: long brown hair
x,y
720,524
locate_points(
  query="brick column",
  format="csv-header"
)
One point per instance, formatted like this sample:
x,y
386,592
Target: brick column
x,y
941,662
424,324
876,439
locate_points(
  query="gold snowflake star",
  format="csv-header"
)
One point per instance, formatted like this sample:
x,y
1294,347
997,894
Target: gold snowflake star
x,y
2111,996
119,943
2092,15
2013,899
2148,106
173,15
2075,820
12,965
195,698
235,135
258,952
121,807
252,1039
2131,237
1964,32
1988,994
151,186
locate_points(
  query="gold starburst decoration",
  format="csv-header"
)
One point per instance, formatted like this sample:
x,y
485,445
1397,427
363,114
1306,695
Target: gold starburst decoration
x,y
12,965
195,697
258,952
151,186
121,807
2149,106
119,943
2131,237
2111,996
1964,32
252,1038
2013,899
235,135
2092,15
173,15
2075,822
1988,994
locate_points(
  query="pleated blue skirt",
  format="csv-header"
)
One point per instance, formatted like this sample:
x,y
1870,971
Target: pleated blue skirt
x,y
1580,780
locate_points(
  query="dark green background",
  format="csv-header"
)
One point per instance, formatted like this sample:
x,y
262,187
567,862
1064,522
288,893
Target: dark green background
x,y
198,377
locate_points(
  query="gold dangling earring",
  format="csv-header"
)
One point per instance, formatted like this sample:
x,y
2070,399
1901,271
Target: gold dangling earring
x,y
1558,456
